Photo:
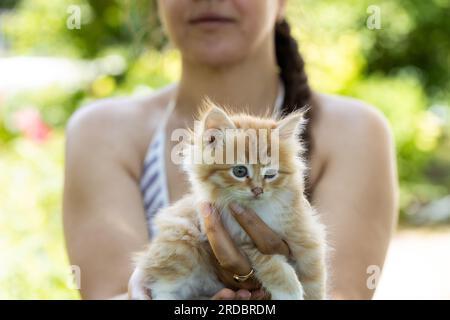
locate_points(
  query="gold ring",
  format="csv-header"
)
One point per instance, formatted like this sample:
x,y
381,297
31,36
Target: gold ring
x,y
238,278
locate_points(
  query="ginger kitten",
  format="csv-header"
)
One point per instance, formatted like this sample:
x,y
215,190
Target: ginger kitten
x,y
176,264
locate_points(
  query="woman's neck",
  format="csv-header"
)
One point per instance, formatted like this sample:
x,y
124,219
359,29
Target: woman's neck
x,y
251,85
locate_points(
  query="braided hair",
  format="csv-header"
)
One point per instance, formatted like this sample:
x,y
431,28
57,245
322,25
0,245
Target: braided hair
x,y
298,93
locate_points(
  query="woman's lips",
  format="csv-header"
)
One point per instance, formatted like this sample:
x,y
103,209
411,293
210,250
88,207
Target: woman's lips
x,y
211,19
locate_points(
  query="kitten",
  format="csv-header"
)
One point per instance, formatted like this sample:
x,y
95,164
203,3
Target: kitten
x,y
177,265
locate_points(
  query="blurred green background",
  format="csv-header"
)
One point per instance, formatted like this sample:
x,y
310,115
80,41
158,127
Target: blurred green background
x,y
48,70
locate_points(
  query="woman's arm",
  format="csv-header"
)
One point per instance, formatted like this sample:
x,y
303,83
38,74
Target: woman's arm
x,y
357,197
104,221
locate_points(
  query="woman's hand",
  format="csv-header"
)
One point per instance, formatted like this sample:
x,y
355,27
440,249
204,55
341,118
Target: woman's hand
x,y
136,291
227,257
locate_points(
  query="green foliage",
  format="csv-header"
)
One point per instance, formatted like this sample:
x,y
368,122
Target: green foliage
x,y
40,27
420,43
403,69
8,4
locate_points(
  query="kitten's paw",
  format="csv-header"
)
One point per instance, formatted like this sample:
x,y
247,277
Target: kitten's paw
x,y
165,295
283,295
136,287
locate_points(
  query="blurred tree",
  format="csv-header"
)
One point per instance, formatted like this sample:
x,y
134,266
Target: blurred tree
x,y
8,4
39,27
416,38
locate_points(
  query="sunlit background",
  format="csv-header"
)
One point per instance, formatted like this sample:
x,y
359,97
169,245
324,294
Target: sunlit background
x,y
48,70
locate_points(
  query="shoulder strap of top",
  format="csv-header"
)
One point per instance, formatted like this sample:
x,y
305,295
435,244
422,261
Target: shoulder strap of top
x,y
276,113
161,136
167,112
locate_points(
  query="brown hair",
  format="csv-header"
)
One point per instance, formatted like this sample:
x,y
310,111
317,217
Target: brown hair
x,y
292,71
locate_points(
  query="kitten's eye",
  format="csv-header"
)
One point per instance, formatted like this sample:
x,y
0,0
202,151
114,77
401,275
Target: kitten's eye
x,y
270,174
240,171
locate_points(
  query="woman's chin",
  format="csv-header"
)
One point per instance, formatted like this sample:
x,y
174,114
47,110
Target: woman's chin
x,y
216,57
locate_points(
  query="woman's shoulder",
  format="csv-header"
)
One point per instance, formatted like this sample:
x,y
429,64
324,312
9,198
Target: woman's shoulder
x,y
120,126
341,123
118,112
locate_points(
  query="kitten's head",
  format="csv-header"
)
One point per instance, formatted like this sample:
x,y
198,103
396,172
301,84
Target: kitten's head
x,y
238,157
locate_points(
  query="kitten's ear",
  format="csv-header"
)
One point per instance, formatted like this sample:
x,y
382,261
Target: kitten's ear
x,y
292,125
215,117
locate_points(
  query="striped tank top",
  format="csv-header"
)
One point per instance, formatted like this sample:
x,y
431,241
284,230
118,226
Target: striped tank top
x,y
153,184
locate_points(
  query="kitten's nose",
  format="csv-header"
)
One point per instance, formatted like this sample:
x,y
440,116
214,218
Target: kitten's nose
x,y
257,191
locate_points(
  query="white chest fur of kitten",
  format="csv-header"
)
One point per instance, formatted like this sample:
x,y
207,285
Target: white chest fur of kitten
x,y
271,211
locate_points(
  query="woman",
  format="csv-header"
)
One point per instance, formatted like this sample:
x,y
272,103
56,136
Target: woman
x,y
236,52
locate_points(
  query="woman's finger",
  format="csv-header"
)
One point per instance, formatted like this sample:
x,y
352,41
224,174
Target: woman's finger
x,y
243,294
260,294
225,294
226,277
265,239
223,247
